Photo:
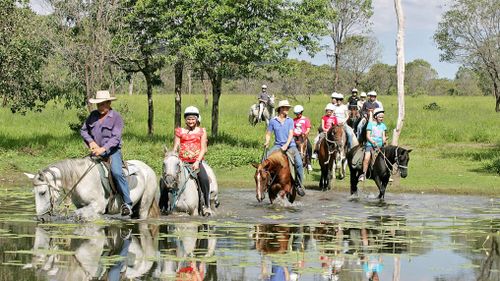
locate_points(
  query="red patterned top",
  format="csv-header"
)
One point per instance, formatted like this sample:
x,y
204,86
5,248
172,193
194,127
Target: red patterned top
x,y
190,144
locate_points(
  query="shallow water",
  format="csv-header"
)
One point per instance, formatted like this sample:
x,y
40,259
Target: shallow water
x,y
322,236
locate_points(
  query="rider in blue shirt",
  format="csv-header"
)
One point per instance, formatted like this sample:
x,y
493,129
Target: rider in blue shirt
x,y
282,126
375,138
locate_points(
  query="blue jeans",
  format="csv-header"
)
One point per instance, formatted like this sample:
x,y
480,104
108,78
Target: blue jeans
x,y
115,155
297,159
116,269
348,132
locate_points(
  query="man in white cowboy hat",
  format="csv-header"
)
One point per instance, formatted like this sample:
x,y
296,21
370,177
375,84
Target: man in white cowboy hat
x,y
264,99
102,132
282,126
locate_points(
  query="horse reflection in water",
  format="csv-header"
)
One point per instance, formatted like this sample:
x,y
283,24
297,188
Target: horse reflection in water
x,y
338,246
184,252
272,239
101,254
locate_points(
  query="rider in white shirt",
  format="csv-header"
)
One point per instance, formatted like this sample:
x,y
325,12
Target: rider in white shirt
x,y
342,113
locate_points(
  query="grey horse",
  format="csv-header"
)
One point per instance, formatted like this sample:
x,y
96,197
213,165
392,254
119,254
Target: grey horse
x,y
79,180
268,113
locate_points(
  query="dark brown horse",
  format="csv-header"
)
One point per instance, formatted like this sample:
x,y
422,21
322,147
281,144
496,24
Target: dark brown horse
x,y
273,175
330,148
389,158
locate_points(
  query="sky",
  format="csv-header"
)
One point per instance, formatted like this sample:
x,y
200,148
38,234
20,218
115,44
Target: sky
x,y
421,21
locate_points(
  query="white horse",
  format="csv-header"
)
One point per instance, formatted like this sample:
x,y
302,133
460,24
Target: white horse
x,y
90,243
184,242
182,188
267,114
80,181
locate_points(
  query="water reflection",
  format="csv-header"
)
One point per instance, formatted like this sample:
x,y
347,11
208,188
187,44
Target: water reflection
x,y
409,240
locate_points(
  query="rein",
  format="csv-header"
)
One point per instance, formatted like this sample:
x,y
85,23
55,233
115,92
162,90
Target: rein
x,y
336,147
55,205
387,162
177,192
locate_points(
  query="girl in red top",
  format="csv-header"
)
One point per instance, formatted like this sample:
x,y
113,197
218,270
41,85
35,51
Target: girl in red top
x,y
327,121
192,144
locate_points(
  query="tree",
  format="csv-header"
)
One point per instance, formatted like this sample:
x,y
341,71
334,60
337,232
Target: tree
x,y
469,33
467,82
360,53
239,37
400,70
346,18
23,55
380,78
420,75
84,43
139,46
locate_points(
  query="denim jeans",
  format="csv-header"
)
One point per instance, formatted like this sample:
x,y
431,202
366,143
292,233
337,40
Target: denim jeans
x,y
297,159
115,155
116,269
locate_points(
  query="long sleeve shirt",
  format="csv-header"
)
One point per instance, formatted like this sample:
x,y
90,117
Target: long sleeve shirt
x,y
107,134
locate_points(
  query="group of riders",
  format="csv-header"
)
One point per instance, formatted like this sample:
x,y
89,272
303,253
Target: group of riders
x,y
363,113
102,132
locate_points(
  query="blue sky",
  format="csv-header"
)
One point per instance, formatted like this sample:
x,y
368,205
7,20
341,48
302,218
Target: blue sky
x,y
421,20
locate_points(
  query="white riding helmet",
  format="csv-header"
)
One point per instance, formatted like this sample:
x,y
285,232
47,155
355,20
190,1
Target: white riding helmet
x,y
192,110
335,95
372,93
377,111
354,90
330,106
363,94
264,86
298,109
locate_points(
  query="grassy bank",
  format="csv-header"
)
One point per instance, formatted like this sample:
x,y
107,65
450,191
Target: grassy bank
x,y
456,148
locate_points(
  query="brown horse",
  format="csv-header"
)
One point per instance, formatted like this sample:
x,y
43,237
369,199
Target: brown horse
x,y
273,175
330,149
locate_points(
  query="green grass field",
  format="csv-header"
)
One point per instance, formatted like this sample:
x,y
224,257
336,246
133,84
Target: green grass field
x,y
455,149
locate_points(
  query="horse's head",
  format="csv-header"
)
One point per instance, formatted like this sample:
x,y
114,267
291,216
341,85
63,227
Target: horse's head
x,y
262,178
402,158
171,170
46,190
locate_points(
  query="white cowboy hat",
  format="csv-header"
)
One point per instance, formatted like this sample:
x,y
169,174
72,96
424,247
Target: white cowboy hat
x,y
283,103
101,96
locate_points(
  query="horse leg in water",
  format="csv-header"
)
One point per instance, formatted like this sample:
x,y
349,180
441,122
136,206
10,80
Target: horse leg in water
x,y
381,184
354,181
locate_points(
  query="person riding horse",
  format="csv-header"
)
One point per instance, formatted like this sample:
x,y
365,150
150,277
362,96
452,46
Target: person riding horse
x,y
353,99
102,132
342,113
361,101
191,142
367,112
327,121
282,127
375,139
302,126
264,99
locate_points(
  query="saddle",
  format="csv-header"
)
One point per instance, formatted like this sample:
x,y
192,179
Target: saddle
x,y
108,184
357,158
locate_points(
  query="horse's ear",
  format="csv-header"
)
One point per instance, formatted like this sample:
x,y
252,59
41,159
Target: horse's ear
x,y
165,149
409,150
255,165
30,176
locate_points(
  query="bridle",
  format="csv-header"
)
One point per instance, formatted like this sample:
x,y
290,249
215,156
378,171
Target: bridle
x,y
336,146
396,161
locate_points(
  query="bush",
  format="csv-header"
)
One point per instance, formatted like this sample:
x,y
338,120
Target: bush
x,y
493,166
81,116
432,106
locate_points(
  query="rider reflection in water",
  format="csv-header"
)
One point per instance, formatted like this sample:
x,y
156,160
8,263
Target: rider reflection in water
x,y
282,127
192,144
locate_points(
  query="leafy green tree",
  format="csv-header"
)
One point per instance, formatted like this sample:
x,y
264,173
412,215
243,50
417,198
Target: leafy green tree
x,y
380,78
467,82
236,38
469,33
346,18
360,53
23,54
419,77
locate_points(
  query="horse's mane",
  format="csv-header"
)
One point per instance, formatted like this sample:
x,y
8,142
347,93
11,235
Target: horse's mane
x,y
276,159
72,169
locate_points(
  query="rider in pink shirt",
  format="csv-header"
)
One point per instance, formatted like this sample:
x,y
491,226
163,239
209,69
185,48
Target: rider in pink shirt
x,y
327,121
302,126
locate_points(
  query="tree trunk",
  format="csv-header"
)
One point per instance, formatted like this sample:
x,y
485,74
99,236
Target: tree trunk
x,y
396,273
4,102
130,80
179,66
337,58
497,96
205,87
216,80
400,72
190,80
149,87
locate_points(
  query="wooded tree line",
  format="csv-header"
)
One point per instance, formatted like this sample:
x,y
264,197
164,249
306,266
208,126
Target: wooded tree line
x,y
211,47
